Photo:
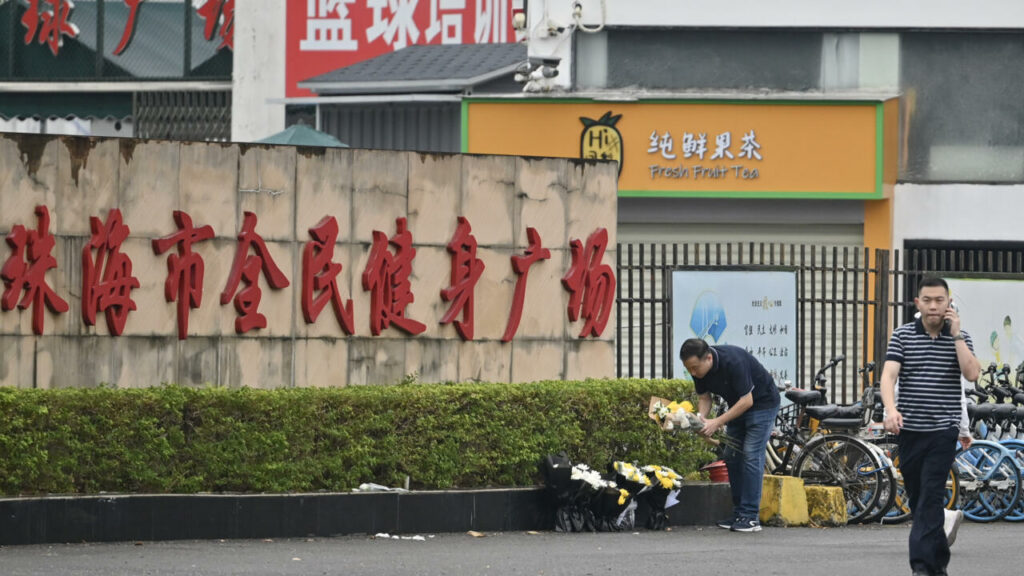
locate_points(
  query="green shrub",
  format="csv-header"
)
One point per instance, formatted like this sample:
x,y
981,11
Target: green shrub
x,y
172,439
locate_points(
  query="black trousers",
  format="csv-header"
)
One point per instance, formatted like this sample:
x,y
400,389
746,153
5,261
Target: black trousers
x,y
925,460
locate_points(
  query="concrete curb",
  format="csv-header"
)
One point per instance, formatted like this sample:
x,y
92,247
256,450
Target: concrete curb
x,y
145,517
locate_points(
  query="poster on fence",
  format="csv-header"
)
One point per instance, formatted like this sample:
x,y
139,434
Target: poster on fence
x,y
992,312
755,309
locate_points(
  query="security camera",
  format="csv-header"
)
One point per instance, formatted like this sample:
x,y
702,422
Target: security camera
x,y
536,69
543,72
522,72
519,21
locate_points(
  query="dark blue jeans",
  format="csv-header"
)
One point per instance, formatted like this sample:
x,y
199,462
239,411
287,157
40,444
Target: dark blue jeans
x,y
749,432
925,459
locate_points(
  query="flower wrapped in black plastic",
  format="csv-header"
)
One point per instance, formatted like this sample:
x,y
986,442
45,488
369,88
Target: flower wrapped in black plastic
x,y
590,483
613,508
564,492
664,493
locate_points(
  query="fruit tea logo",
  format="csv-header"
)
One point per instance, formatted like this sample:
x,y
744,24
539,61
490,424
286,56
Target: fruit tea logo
x,y
600,138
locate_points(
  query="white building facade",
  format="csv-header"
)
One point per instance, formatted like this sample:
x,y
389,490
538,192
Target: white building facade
x,y
954,70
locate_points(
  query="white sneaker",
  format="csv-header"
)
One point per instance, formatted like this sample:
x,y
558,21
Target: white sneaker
x,y
952,523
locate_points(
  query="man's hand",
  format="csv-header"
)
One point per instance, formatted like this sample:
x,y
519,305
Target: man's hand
x,y
965,442
710,427
893,422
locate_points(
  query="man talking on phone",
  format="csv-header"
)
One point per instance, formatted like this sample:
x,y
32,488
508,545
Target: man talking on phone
x,y
929,356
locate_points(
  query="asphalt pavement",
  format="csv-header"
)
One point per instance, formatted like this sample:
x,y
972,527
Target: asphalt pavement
x,y
980,550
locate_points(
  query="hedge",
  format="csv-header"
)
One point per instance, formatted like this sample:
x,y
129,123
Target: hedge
x,y
173,439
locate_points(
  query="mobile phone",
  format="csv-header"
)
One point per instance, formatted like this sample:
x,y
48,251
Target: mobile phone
x,y
952,305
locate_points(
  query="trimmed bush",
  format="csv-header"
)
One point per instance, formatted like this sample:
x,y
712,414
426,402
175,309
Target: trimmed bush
x,y
172,439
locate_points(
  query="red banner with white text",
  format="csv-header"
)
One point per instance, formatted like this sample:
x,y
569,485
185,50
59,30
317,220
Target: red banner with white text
x,y
324,35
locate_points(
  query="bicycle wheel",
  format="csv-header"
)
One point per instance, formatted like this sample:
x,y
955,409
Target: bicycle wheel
x,y
1017,448
845,462
887,496
989,481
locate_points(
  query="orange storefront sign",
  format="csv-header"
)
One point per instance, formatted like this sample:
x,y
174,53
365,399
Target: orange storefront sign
x,y
792,149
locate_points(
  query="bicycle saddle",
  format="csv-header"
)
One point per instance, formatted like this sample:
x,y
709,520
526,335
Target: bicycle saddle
x,y
834,411
851,424
803,397
1004,410
980,410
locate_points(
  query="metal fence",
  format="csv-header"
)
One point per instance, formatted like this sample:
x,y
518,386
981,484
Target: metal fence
x,y
848,299
183,115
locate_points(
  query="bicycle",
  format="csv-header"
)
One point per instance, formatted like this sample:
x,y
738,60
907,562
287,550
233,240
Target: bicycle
x,y
997,423
829,458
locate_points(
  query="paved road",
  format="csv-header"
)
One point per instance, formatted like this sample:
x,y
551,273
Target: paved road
x,y
851,551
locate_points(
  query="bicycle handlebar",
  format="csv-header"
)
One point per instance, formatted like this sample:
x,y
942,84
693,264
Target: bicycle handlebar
x,y
1000,392
869,367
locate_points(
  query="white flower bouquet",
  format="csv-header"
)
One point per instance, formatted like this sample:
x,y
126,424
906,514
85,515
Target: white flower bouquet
x,y
610,506
671,415
589,480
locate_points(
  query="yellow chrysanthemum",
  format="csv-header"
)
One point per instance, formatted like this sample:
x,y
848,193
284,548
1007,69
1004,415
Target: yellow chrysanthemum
x,y
623,496
631,473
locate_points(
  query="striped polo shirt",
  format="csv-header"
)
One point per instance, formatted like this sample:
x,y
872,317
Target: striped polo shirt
x,y
930,391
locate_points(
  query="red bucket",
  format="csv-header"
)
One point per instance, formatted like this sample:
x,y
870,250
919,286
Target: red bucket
x,y
717,471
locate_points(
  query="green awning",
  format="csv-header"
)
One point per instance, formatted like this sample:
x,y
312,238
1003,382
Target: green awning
x,y
62,105
302,135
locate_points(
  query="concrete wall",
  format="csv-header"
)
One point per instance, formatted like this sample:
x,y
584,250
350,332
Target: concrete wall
x,y
552,22
259,65
957,212
787,13
290,190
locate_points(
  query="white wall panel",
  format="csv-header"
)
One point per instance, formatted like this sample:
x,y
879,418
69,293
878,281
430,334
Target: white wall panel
x,y
790,13
957,211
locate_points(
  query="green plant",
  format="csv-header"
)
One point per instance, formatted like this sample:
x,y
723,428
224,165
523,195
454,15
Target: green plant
x,y
172,439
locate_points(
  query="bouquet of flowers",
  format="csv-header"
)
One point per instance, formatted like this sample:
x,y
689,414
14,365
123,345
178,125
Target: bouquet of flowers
x,y
565,492
611,507
663,477
671,415
584,500
664,493
630,477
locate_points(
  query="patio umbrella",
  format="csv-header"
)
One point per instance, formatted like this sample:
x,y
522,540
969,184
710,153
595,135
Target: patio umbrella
x,y
302,135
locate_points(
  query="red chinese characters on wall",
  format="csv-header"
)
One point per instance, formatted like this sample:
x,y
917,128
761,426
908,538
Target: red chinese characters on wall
x,y
466,271
129,26
107,280
320,275
386,277
49,21
590,283
185,269
51,18
247,267
219,14
521,266
29,276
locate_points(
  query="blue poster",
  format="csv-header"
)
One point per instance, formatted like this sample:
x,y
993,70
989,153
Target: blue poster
x,y
752,309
